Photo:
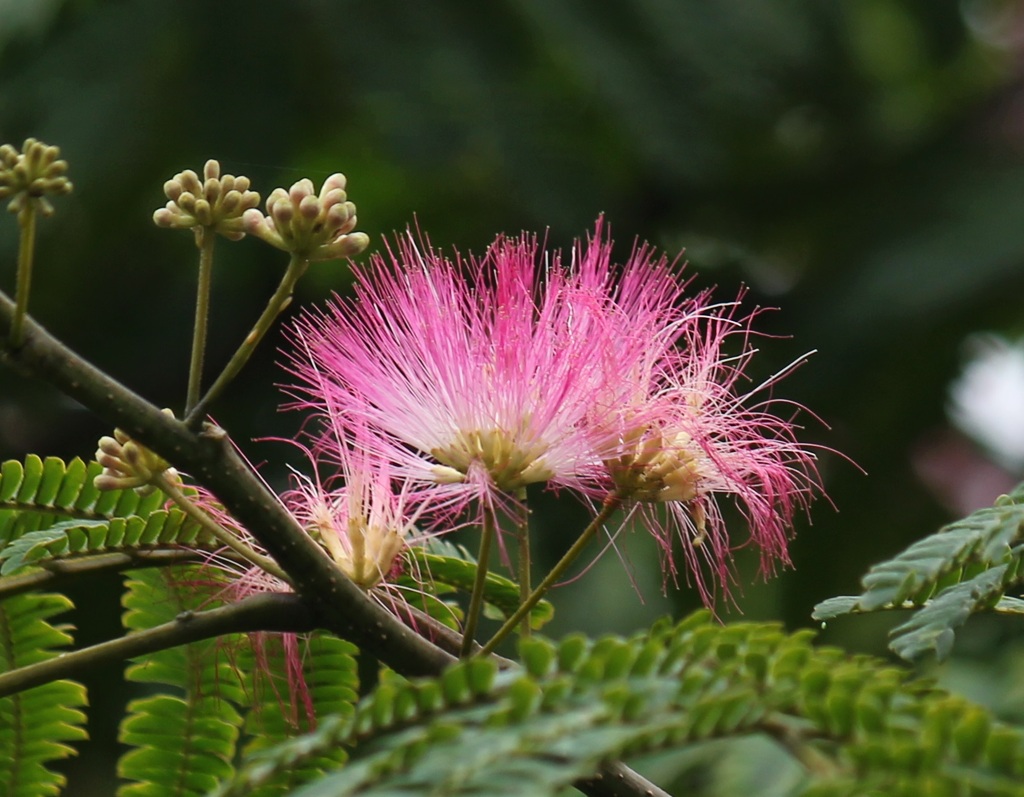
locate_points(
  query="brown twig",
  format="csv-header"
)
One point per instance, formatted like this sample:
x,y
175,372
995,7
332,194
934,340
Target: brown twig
x,y
257,613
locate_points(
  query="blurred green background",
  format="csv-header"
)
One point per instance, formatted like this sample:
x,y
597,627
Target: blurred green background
x,y
859,165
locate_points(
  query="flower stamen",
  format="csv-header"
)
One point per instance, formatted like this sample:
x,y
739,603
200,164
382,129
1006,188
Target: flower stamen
x,y
656,470
509,464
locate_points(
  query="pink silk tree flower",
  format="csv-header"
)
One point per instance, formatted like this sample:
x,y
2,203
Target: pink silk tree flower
x,y
361,518
475,375
691,436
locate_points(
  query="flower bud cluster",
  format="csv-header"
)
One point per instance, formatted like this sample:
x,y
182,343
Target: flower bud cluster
x,y
216,202
28,176
130,465
315,226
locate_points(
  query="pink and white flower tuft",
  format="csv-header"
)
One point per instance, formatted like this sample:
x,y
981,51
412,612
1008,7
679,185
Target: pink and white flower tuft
x,y
690,437
475,377
360,516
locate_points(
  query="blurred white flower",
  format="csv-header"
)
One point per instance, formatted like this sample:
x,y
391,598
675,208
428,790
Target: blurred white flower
x,y
987,400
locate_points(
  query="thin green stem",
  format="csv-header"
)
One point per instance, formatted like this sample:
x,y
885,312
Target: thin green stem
x,y
611,503
278,302
206,241
26,253
219,533
448,639
476,599
523,533
800,745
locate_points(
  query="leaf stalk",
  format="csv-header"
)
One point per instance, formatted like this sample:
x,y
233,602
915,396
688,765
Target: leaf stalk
x,y
523,532
222,535
26,253
278,302
610,504
476,599
206,239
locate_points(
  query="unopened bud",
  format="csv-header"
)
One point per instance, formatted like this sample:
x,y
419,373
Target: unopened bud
x,y
212,189
310,224
283,213
340,215
232,199
31,175
214,202
346,246
334,182
128,464
301,190
203,212
309,207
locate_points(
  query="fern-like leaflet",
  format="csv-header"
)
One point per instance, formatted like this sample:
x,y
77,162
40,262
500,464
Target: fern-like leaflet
x,y
185,737
477,730
36,725
280,708
965,567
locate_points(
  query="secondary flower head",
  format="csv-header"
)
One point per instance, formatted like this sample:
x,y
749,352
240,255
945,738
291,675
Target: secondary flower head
x,y
358,515
475,375
32,174
214,201
128,464
350,506
691,436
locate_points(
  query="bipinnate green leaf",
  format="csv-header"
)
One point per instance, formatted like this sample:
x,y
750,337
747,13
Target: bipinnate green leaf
x,y
52,511
186,741
34,546
37,493
36,725
965,567
870,727
930,630
161,528
183,744
284,706
444,565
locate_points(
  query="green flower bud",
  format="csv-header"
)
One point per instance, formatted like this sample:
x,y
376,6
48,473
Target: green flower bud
x,y
214,202
316,226
29,176
130,465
